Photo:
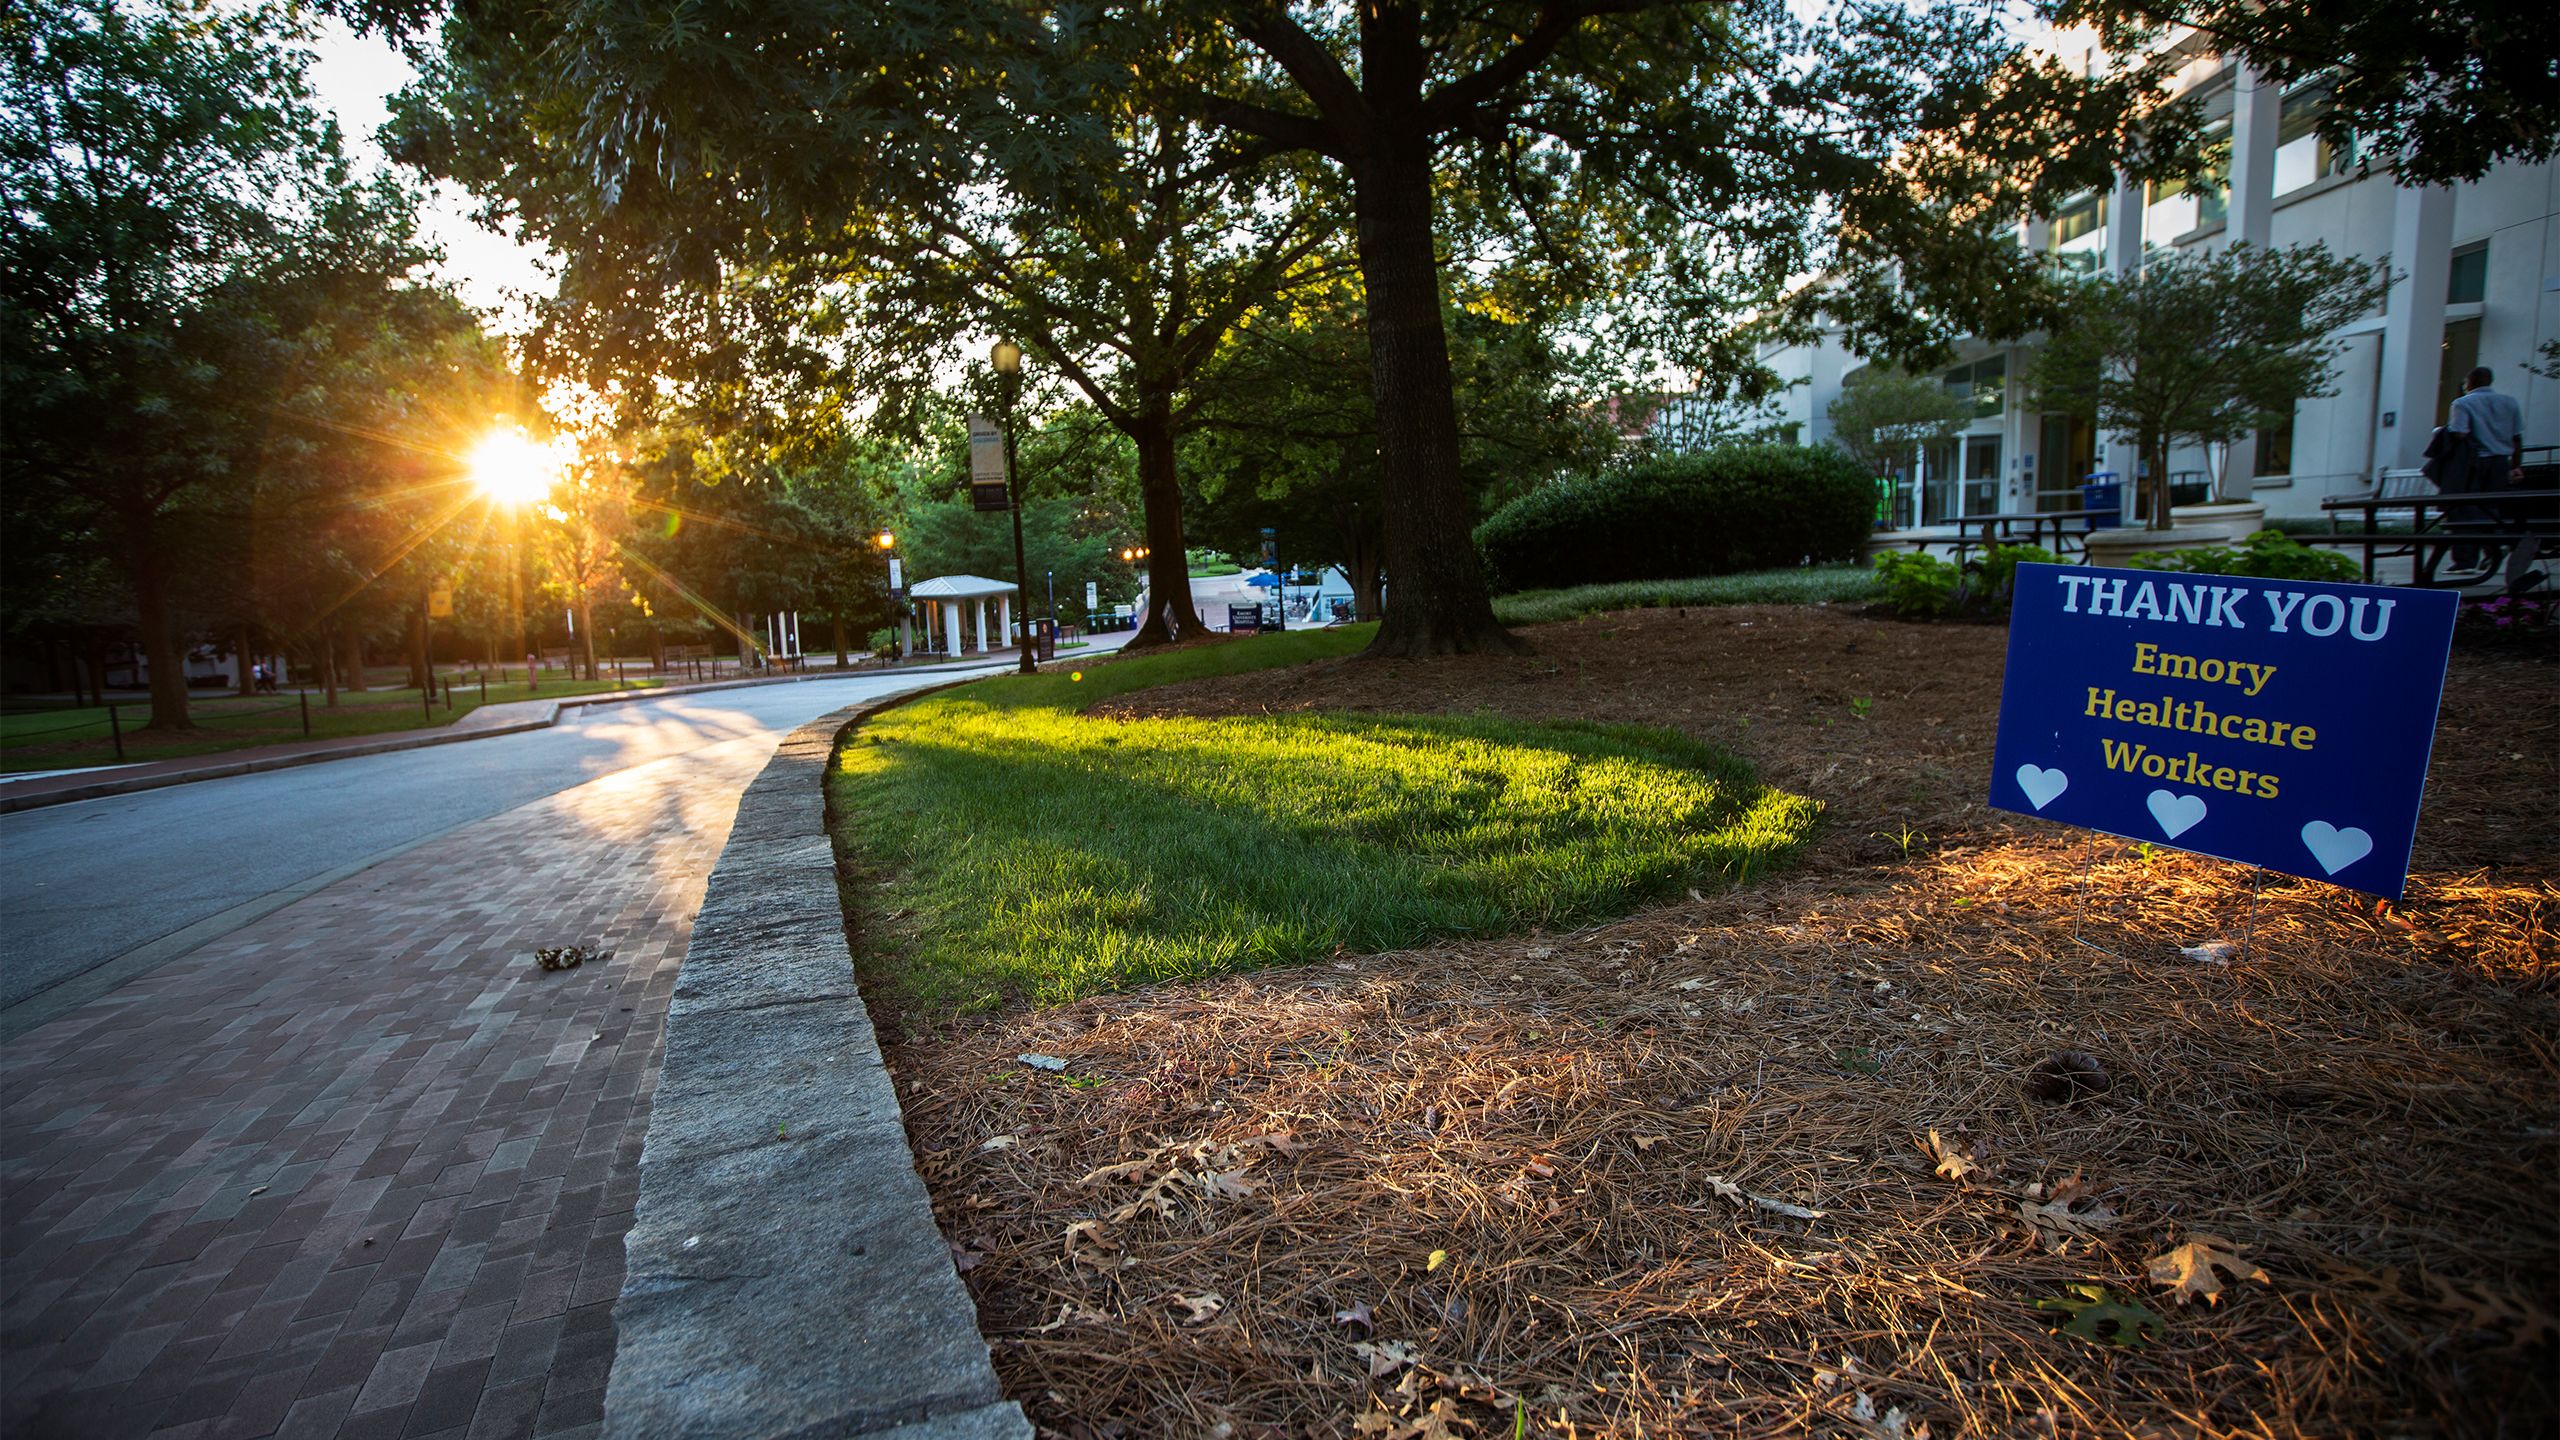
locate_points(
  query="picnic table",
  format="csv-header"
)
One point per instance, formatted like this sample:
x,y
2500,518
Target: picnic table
x,y
2060,531
2490,521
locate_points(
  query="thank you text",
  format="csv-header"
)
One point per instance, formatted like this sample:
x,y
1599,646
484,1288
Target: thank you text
x,y
2283,723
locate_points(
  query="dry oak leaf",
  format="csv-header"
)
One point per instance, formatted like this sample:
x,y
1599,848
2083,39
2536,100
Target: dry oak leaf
x,y
2070,1217
1201,1308
1953,1164
2189,1270
1433,1424
1388,1357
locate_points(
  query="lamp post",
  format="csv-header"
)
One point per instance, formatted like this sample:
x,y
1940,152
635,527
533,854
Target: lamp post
x,y
887,541
1007,358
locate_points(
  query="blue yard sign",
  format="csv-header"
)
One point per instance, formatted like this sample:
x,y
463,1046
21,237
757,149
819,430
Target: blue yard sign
x,y
2283,723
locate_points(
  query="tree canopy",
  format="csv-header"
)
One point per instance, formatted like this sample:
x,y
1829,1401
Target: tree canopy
x,y
206,320
1684,162
2202,347
2439,92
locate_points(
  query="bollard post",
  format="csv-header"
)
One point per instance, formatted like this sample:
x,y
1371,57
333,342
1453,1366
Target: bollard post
x,y
484,687
115,727
305,697
427,697
448,697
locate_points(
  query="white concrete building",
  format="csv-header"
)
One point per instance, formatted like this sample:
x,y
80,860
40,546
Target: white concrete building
x,y
2477,282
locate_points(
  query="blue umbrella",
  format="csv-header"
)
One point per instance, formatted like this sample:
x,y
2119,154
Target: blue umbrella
x,y
1266,580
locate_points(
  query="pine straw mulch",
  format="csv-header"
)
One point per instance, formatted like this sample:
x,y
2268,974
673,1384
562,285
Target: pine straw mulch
x,y
1801,1159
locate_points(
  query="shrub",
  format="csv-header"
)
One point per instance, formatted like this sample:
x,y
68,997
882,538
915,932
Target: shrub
x,y
1920,585
1916,584
2267,555
1715,512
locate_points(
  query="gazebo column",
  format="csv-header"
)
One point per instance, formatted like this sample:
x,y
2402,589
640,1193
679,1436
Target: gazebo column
x,y
951,625
1007,631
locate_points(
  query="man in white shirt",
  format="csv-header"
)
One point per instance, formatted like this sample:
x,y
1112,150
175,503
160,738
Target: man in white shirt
x,y
2494,424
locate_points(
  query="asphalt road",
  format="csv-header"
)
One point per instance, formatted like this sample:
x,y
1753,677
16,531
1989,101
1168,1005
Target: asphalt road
x,y
98,887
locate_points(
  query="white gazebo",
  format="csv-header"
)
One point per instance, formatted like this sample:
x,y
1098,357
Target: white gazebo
x,y
950,592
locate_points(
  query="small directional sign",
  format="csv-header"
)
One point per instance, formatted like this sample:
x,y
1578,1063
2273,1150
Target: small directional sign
x,y
440,603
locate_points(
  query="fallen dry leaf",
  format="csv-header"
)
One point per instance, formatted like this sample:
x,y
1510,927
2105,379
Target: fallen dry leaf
x,y
2071,1217
2189,1270
1387,1357
1200,1309
1953,1164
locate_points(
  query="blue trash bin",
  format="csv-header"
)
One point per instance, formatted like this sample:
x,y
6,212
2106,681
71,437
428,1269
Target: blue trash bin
x,y
2103,492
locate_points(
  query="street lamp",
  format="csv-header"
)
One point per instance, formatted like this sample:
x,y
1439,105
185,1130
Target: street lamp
x,y
1007,358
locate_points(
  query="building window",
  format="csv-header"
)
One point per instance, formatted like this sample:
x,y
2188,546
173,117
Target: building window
x,y
2467,278
2302,154
2079,243
2179,206
2275,448
1982,381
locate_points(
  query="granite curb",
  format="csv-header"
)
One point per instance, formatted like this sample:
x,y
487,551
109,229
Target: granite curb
x,y
784,1276
410,740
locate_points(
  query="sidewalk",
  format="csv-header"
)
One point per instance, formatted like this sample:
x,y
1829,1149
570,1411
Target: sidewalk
x,y
361,1167
511,717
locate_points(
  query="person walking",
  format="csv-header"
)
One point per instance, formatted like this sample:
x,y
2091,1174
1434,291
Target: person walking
x,y
2494,426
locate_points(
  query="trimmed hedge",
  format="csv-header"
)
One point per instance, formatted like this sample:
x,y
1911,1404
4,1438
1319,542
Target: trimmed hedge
x,y
1714,512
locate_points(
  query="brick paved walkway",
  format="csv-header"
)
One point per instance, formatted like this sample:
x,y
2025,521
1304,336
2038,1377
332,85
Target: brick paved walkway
x,y
361,1168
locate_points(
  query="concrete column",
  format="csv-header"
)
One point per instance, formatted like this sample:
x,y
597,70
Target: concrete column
x,y
978,608
2124,260
951,626
2257,109
1007,631
2124,226
2413,326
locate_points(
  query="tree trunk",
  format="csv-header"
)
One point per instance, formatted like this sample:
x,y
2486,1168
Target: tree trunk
x,y
161,648
419,660
587,633
241,663
2155,458
844,657
1361,560
353,677
329,667
1170,616
1442,606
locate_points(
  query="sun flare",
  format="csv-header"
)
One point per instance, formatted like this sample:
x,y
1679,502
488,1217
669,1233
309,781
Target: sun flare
x,y
512,468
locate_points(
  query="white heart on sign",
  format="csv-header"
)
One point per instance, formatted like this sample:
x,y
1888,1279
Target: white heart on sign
x,y
2041,784
2336,849
2177,814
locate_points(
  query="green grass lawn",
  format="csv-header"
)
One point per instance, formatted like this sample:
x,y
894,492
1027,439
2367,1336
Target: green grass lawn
x,y
68,738
1849,584
1018,846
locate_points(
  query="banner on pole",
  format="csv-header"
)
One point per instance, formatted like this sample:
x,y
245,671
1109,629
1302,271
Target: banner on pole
x,y
2283,723
986,466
